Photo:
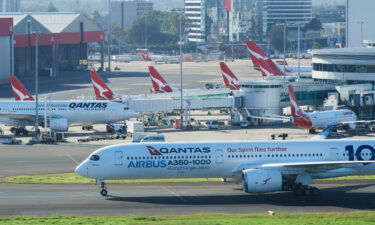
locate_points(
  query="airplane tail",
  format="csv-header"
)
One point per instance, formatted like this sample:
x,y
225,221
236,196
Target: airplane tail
x,y
229,78
145,55
102,91
265,69
158,83
295,109
257,54
19,91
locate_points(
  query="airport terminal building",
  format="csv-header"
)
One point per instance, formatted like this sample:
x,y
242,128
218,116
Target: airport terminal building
x,y
62,40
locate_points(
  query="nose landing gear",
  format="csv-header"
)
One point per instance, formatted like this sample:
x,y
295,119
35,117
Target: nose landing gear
x,y
103,191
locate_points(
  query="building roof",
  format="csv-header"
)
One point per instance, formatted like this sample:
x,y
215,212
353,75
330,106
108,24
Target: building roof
x,y
55,22
345,51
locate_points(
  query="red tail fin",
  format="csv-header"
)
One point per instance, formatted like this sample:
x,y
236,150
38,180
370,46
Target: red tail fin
x,y
145,55
295,110
19,91
229,78
102,91
158,82
265,69
256,53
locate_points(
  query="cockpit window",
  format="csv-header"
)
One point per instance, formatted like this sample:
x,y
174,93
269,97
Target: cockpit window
x,y
95,158
126,108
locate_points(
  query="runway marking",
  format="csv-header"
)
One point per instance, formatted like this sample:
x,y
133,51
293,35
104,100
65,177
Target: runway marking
x,y
70,157
173,193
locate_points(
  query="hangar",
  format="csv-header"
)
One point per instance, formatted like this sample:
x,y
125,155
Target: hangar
x,y
63,40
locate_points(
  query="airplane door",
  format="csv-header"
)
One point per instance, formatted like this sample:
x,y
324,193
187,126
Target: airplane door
x,y
219,156
335,154
118,158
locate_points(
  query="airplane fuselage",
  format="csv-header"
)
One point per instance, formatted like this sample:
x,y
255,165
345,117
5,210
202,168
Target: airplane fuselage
x,y
221,159
83,112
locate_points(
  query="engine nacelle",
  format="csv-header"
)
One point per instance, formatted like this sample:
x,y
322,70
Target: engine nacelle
x,y
261,181
60,125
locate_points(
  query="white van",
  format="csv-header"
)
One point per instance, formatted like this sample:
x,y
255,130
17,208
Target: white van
x,y
154,138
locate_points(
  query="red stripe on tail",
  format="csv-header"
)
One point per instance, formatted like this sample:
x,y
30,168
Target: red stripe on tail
x,y
19,91
229,78
158,83
102,91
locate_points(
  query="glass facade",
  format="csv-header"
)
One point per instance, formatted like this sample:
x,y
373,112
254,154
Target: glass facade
x,y
343,68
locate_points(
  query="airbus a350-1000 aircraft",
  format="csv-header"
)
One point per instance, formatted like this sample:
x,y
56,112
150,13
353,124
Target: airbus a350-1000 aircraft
x,y
263,166
64,113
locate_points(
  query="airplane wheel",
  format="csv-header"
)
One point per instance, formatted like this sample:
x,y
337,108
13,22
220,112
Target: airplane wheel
x,y
103,192
13,130
315,191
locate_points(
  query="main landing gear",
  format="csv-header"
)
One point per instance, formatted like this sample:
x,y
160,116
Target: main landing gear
x,y
87,127
103,191
19,130
301,190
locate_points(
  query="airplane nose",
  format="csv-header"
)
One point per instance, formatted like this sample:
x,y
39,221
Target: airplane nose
x,y
81,170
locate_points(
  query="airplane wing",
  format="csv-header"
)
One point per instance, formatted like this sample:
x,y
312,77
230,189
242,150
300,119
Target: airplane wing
x,y
278,118
304,167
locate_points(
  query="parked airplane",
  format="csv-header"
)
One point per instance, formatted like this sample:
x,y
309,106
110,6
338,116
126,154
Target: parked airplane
x,y
326,120
230,80
263,166
19,91
63,113
256,54
152,58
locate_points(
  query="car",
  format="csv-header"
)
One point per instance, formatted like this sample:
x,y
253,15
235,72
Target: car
x,y
212,124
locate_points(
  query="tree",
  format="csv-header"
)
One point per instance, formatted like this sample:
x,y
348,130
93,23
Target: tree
x,y
276,36
314,24
52,8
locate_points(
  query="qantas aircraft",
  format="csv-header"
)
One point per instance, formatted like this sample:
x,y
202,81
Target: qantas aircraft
x,y
102,91
64,113
19,91
230,80
256,54
263,166
326,120
153,58
269,74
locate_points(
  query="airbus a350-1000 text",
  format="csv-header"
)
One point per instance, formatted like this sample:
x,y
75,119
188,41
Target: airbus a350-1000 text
x,y
263,166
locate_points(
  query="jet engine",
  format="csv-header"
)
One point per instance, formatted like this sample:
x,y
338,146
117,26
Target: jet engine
x,y
261,181
61,125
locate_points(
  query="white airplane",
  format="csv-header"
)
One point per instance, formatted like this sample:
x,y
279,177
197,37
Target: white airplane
x,y
152,58
326,120
263,166
64,113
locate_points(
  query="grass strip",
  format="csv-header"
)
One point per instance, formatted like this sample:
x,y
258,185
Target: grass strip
x,y
349,218
72,178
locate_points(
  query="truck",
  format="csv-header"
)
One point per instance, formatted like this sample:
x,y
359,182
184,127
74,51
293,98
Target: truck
x,y
134,127
154,138
137,137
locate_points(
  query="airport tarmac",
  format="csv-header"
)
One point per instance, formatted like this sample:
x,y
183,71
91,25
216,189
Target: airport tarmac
x,y
157,198
178,198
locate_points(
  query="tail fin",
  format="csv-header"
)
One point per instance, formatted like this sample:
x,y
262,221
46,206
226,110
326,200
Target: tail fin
x,y
145,55
158,83
19,91
295,109
265,69
102,91
229,78
257,54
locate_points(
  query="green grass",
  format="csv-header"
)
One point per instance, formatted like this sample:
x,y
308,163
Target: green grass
x,y
350,218
72,178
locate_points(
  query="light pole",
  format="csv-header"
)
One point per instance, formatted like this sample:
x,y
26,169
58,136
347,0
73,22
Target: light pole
x,y
299,50
145,31
361,23
36,88
109,35
181,73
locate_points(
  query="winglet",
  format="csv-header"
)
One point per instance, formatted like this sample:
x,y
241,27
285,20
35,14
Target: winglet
x,y
19,91
158,83
229,78
102,91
